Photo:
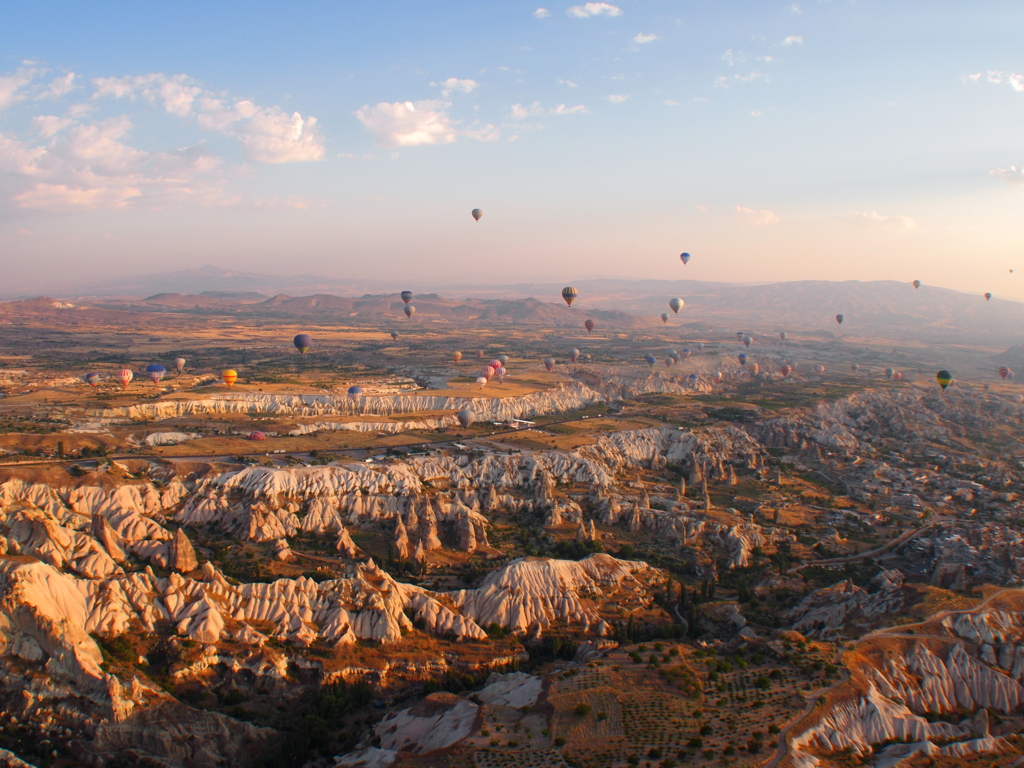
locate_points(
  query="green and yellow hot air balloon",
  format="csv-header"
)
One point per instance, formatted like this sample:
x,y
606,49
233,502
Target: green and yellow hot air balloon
x,y
944,378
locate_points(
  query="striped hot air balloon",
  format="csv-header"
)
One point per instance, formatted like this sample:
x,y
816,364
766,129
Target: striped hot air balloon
x,y
569,294
125,376
302,343
230,376
589,325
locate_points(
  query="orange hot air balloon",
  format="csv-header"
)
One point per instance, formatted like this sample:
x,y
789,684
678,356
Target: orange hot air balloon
x,y
230,376
456,356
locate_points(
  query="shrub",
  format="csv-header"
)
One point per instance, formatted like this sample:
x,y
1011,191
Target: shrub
x,y
582,709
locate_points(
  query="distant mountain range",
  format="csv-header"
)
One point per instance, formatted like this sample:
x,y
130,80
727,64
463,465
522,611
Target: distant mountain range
x,y
880,309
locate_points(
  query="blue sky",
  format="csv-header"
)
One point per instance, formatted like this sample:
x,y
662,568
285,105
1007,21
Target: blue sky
x,y
774,141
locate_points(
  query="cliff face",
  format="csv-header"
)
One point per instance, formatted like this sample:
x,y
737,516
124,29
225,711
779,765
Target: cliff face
x,y
933,691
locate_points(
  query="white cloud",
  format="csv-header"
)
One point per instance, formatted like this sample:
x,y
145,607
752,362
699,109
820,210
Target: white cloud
x,y
92,166
587,10
726,81
273,136
561,109
59,86
567,83
48,125
795,8
732,59
1012,174
24,232
63,197
756,113
642,39
541,13
523,111
408,124
793,40
266,134
874,219
762,218
1013,79
670,103
617,98
453,85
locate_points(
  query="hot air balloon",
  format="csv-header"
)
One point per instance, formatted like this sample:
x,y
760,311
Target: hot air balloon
x,y
670,361
125,376
587,356
302,343
589,325
92,379
549,363
687,352
1004,372
456,356
651,360
501,374
742,357
739,336
692,378
889,373
700,346
747,341
488,372
409,309
257,435
676,304
574,355
685,258
480,354
786,370
782,335
406,296
502,359
854,367
916,284
179,364
495,363
754,368
466,417
394,335
839,319
477,213
988,297
897,376
664,317
482,381
944,378
819,369
718,376
1018,398
155,372
569,294
230,377
354,393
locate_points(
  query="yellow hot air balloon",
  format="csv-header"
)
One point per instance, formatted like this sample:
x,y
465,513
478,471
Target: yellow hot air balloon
x,y
944,378
230,376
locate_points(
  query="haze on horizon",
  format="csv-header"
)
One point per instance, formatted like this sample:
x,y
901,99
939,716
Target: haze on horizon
x,y
773,141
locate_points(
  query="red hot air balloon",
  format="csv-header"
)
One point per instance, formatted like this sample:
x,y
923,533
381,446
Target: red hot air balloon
x,y
488,372
1004,372
125,376
589,325
897,376
786,370
495,363
257,435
